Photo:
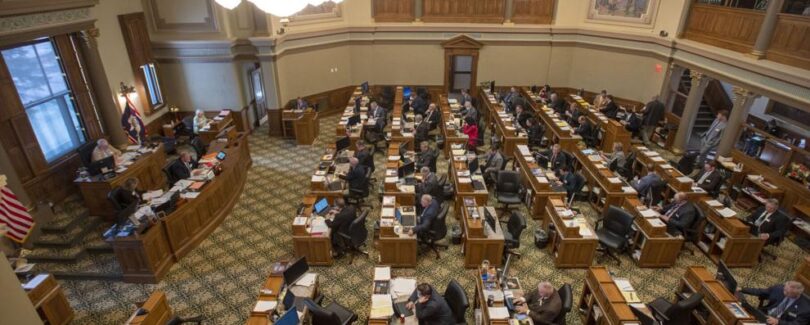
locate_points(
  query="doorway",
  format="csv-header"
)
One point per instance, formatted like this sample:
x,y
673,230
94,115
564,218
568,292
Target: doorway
x,y
461,76
461,64
258,101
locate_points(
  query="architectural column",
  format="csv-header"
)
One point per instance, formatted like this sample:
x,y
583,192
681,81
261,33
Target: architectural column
x,y
16,307
766,30
743,99
105,100
690,110
417,10
509,11
670,86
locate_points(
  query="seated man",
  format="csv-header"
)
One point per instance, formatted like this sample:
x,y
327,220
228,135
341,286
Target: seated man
x,y
103,150
616,156
678,215
428,185
600,100
557,104
555,159
535,132
182,167
421,129
430,211
339,220
541,305
570,181
521,115
356,177
469,111
426,156
363,154
645,183
379,115
786,304
611,110
574,112
128,194
768,223
432,117
585,130
632,123
493,163
430,307
709,180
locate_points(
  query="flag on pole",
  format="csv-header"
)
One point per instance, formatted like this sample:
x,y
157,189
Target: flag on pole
x,y
132,123
14,216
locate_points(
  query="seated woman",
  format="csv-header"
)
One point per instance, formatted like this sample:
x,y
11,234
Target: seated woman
x,y
200,121
470,128
104,150
616,156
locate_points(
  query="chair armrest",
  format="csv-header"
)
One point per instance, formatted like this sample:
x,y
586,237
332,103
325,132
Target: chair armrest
x,y
345,236
659,314
597,224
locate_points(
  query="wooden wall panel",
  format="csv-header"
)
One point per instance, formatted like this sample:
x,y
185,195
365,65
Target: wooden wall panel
x,y
532,11
729,28
392,10
139,48
791,41
463,11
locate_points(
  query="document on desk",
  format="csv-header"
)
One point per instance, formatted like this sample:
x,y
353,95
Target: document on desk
x,y
498,312
726,212
714,203
264,306
382,273
387,212
402,287
381,306
190,195
307,280
648,213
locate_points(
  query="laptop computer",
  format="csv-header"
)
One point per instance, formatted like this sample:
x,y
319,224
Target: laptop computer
x,y
479,185
406,220
292,302
289,318
409,180
320,207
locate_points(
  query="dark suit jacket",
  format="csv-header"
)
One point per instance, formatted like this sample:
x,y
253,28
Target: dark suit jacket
x,y
535,133
546,312
558,106
433,118
795,314
711,182
428,186
571,182
126,198
611,110
427,218
341,222
682,219
427,159
435,311
559,162
179,171
574,118
653,113
645,183
421,132
585,130
356,177
521,119
776,225
380,117
419,105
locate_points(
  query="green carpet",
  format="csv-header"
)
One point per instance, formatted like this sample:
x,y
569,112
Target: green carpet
x,y
221,278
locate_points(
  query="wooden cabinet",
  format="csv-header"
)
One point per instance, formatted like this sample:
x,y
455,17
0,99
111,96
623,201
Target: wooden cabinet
x,y
727,239
569,245
316,248
49,300
652,246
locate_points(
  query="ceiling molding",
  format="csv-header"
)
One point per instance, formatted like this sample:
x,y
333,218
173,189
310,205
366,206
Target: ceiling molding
x,y
13,8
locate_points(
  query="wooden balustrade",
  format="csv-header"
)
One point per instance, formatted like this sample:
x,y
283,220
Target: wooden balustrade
x,y
532,11
393,10
464,11
730,28
791,41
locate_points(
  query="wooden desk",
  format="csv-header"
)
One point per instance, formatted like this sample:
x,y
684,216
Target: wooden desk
x,y
49,300
390,319
557,131
676,181
217,127
459,173
803,273
652,245
612,131
601,290
356,132
147,257
277,291
502,123
713,308
540,187
480,242
607,189
148,169
319,181
300,124
572,242
317,248
399,126
728,239
451,125
396,249
480,299
405,194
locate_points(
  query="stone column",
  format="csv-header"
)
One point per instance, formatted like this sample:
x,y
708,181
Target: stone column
x,y
670,85
699,83
766,30
508,12
417,10
743,99
109,112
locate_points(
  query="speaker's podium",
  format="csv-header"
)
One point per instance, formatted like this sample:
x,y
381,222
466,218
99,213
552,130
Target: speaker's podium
x,y
301,125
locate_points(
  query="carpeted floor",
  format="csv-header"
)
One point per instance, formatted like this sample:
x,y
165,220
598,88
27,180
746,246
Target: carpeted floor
x,y
220,279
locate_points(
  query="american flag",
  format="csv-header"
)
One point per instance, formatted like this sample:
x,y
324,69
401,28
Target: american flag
x,y
14,216
134,132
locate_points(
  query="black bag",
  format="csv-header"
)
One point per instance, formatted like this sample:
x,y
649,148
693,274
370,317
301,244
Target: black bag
x,y
541,238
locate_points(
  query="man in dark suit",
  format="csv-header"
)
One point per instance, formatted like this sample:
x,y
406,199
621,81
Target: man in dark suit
x,y
541,305
570,181
182,167
363,154
339,220
418,104
786,304
535,132
421,129
557,104
652,113
556,158
465,97
611,110
521,115
432,116
574,112
379,115
585,130
428,184
430,211
678,215
709,180
768,223
426,156
512,99
430,308
356,177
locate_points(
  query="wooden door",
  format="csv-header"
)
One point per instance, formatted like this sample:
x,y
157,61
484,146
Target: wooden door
x,y
461,64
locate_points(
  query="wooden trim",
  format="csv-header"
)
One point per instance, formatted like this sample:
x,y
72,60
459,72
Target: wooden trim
x,y
26,35
210,25
139,48
82,91
12,8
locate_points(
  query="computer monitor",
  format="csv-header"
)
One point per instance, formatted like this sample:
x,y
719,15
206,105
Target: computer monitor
x,y
97,167
221,155
534,88
295,271
492,86
406,92
342,143
353,120
724,275
406,169
364,87
357,101
289,318
489,219
320,206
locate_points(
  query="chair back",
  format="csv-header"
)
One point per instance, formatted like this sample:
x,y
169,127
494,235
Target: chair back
x,y
85,153
481,130
112,196
358,231
567,298
694,229
681,312
473,166
439,227
656,191
618,221
188,122
687,163
432,165
516,225
613,165
508,182
456,297
199,147
643,317
320,315
167,171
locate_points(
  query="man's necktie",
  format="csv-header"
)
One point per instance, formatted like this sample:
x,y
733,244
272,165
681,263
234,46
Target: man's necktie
x,y
779,309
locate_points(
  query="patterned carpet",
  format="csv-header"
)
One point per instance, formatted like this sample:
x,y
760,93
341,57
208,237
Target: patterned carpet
x,y
220,279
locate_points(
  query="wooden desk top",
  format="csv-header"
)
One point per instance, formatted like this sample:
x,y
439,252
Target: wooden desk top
x,y
569,227
715,295
733,226
559,128
651,227
529,167
608,295
606,179
463,184
158,311
481,299
388,222
474,227
157,154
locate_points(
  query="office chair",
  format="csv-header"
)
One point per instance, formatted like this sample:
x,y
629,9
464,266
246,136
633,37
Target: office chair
x,y
578,189
614,165
655,193
511,237
112,196
643,317
626,170
715,192
481,130
567,298
456,298
686,165
199,147
85,153
332,314
692,233
507,189
356,238
357,196
437,232
170,180
178,320
677,313
613,234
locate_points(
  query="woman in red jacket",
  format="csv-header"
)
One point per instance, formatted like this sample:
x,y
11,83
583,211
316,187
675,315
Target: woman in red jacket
x,y
470,128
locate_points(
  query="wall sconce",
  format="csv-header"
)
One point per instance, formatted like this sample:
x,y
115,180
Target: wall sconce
x,y
284,22
175,111
663,33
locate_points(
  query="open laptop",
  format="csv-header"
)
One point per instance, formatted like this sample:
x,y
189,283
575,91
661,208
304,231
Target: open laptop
x,y
292,302
295,271
320,207
289,318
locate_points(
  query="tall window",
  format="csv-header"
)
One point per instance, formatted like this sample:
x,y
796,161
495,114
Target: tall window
x,y
43,89
152,84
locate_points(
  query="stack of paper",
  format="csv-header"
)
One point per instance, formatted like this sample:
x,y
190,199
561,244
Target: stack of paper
x,y
381,306
382,273
264,306
649,213
498,312
726,212
307,280
403,286
389,200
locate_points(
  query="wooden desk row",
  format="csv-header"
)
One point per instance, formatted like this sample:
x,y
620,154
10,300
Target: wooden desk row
x,y
606,188
382,288
317,248
396,247
147,257
557,130
572,241
538,181
501,122
451,125
717,304
494,286
356,132
398,125
49,300
481,242
301,125
220,125
652,246
728,239
612,131
273,289
459,173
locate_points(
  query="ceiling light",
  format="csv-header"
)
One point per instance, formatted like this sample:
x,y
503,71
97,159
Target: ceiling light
x,y
280,8
229,4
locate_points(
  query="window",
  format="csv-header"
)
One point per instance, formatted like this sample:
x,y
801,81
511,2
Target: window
x,y
45,94
152,85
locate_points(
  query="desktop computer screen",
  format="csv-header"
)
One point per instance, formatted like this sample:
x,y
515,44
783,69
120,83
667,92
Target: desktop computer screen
x,y
295,271
289,318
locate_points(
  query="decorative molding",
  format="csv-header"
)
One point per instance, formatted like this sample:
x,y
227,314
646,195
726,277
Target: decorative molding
x,y
12,8
36,20
324,12
598,13
160,24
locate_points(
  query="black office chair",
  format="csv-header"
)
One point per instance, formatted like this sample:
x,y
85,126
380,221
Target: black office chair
x,y
678,313
686,165
199,147
85,153
613,234
170,179
357,196
332,314
692,234
437,232
626,170
507,189
775,241
578,192
514,228
179,320
356,238
655,193
112,196
715,191
643,317
456,298
567,298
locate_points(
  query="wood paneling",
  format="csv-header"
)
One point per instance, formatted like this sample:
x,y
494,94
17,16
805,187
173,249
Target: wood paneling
x,y
392,10
729,28
82,91
532,11
139,48
463,11
791,41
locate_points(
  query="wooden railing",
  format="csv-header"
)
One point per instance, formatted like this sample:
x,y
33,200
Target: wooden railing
x,y
791,41
465,11
731,28
393,10
532,11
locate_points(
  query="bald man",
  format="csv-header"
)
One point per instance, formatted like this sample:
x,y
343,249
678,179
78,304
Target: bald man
x,y
356,177
541,305
678,215
786,304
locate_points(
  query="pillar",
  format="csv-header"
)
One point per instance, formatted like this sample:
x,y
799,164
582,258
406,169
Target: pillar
x,y
699,83
670,86
508,12
106,101
417,11
743,99
16,307
766,30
